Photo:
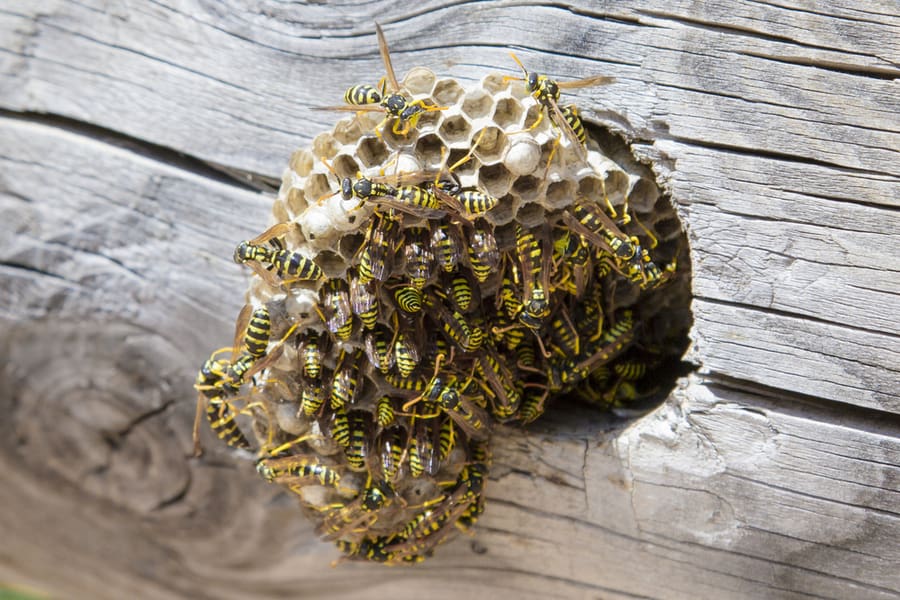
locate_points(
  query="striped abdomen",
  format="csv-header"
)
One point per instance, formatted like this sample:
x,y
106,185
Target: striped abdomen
x,y
360,95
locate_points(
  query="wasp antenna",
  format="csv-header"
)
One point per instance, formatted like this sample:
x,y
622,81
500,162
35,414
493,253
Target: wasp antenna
x,y
329,166
518,62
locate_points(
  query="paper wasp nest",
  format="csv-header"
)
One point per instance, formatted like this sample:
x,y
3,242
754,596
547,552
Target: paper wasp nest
x,y
601,338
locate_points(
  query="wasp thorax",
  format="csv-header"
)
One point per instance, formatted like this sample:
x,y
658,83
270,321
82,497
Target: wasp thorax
x,y
394,103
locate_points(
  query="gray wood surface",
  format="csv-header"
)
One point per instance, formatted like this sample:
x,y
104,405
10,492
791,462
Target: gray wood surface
x,y
773,472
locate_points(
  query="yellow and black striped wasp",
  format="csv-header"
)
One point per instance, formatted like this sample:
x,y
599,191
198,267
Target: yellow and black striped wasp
x,y
275,260
211,388
419,256
443,390
358,450
380,348
467,204
220,380
424,454
363,300
334,308
392,446
572,261
376,253
546,91
360,513
410,199
501,385
433,525
384,411
388,100
483,253
461,329
534,256
298,469
346,380
613,342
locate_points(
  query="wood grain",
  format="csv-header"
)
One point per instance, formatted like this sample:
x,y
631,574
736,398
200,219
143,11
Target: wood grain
x,y
773,126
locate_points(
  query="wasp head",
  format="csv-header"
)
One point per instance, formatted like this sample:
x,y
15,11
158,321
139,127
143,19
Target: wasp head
x,y
242,252
265,470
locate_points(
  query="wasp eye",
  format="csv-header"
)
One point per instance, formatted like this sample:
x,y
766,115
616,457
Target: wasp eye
x,y
346,188
532,81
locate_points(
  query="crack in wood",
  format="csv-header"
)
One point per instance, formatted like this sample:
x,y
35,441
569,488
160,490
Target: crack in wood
x,y
140,147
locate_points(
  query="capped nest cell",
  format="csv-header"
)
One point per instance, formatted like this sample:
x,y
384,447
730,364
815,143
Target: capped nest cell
x,y
429,278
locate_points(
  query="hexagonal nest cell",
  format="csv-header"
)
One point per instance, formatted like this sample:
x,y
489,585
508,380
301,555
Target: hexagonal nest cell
x,y
403,310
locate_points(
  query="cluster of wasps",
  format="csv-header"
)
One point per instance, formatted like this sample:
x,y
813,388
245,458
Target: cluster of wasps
x,y
377,409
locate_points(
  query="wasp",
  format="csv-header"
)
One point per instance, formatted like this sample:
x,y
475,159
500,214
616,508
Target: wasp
x,y
392,443
468,204
388,99
410,199
613,341
419,257
384,411
508,296
340,427
460,290
359,514
425,445
572,255
379,349
446,246
312,397
564,374
345,383
465,333
446,439
443,391
298,469
210,386
363,301
421,451
535,276
408,299
500,382
310,348
565,335
335,311
433,525
588,219
376,254
252,331
406,355
484,256
366,549
275,259
532,403
360,431
219,379
407,384
546,91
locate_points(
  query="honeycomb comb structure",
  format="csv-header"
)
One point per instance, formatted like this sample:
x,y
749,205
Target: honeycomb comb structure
x,y
379,419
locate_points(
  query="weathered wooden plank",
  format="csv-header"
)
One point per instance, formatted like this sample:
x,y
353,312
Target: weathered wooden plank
x,y
255,82
792,353
718,493
776,130
93,232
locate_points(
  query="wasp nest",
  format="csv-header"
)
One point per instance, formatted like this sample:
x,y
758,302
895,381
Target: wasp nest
x,y
426,282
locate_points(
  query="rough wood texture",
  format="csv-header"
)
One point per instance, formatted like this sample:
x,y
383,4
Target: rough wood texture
x,y
771,473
